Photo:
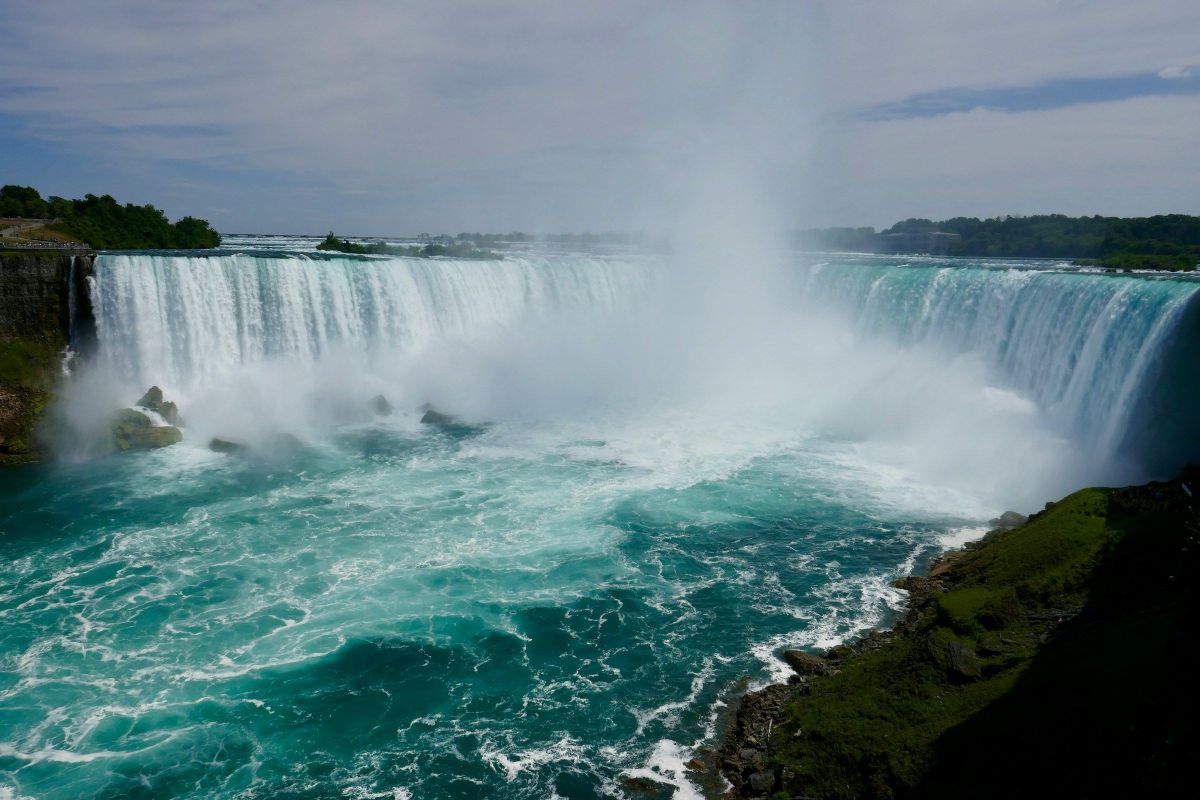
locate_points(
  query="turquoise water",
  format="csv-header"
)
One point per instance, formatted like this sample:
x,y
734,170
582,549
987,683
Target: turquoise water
x,y
541,601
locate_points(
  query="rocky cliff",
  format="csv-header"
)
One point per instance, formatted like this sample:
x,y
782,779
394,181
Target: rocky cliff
x,y
44,310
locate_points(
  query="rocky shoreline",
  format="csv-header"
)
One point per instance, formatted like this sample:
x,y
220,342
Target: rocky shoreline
x,y
884,716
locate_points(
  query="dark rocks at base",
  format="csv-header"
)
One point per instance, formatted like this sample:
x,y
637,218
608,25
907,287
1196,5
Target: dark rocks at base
x,y
762,782
274,446
133,430
744,757
381,406
806,664
434,417
644,787
1009,519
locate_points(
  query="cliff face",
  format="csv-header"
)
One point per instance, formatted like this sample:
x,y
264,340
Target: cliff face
x,y
44,307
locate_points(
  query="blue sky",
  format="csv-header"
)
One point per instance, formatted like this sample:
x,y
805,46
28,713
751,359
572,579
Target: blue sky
x,y
372,117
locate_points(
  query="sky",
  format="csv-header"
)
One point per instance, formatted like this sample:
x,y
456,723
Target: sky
x,y
373,118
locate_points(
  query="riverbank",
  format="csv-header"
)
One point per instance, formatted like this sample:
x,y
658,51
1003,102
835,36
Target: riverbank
x,y
1050,659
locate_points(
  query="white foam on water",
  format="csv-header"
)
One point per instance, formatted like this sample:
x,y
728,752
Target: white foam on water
x,y
667,764
565,750
671,709
956,538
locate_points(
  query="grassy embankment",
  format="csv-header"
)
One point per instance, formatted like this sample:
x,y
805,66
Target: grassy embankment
x,y
1054,659
23,231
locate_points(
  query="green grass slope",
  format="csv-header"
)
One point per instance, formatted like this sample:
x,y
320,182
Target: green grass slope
x,y
1051,660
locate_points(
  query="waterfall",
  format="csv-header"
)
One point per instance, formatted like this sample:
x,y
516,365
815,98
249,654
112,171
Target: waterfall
x,y
1104,357
178,320
1097,352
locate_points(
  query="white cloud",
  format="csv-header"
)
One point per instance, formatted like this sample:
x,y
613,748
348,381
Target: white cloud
x,y
1175,73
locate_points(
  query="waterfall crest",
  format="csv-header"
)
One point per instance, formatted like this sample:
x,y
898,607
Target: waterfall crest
x,y
177,320
1096,352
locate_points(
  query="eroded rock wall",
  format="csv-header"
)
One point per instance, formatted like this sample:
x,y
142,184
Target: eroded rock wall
x,y
44,308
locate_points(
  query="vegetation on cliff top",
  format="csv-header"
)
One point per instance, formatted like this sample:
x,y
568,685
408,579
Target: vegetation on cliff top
x,y
105,224
450,249
1168,241
1050,658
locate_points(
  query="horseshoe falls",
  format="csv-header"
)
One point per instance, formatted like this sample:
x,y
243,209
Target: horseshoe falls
x,y
653,485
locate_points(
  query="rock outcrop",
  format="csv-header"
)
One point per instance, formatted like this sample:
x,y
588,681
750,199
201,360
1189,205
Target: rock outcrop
x,y
133,430
229,446
806,664
381,406
434,417
1009,519
153,400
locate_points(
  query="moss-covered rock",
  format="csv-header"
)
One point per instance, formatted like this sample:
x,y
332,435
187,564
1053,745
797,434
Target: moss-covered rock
x,y
133,430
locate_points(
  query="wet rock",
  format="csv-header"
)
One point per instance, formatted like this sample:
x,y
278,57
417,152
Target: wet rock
x,y
643,786
806,663
434,417
274,446
218,445
696,765
133,430
153,400
381,406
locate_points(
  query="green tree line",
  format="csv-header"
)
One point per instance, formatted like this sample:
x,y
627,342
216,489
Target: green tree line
x,y
1166,241
105,224
451,249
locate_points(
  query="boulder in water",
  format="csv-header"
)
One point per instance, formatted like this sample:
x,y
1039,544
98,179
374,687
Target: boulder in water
x,y
153,400
381,406
219,445
275,445
133,430
434,417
